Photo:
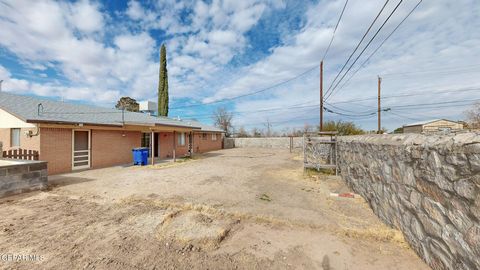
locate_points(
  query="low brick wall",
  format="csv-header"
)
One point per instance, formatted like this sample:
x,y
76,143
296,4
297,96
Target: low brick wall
x,y
18,176
428,186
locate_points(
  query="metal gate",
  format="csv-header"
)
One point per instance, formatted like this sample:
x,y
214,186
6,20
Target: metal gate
x,y
320,151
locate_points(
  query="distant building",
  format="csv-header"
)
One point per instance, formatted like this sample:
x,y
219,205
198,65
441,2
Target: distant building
x,y
435,125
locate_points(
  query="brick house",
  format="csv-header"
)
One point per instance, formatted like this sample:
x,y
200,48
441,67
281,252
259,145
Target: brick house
x,y
74,136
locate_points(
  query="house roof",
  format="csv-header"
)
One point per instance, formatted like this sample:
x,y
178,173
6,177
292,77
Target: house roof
x,y
27,108
421,123
204,127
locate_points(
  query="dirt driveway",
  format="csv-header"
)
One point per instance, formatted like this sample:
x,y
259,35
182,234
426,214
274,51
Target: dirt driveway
x,y
229,209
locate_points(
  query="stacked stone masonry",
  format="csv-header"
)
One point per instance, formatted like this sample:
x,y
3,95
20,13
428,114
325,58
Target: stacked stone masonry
x,y
425,185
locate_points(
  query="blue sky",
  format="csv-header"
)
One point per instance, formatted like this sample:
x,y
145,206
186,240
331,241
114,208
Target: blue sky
x,y
95,52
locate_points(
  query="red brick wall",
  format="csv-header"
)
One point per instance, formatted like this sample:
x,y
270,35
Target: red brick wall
x,y
166,145
56,149
29,143
201,144
110,147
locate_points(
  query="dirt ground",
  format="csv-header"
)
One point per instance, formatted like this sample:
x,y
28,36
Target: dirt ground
x,y
229,209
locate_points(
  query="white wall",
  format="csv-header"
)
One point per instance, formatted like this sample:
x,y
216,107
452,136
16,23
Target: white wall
x,y
9,121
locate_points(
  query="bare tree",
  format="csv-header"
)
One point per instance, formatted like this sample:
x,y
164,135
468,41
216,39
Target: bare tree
x,y
256,132
473,116
223,120
268,129
242,133
308,128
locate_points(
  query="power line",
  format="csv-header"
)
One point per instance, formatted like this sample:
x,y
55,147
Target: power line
x,y
381,44
353,115
449,69
358,45
342,109
256,111
404,117
435,103
410,95
335,30
330,89
249,94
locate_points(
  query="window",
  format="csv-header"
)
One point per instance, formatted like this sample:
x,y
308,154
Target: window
x,y
146,140
15,137
181,139
214,136
204,136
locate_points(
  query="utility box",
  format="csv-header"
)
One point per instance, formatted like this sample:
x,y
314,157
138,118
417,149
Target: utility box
x,y
149,107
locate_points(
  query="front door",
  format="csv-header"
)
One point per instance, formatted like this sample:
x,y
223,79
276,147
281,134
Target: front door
x,y
156,143
81,149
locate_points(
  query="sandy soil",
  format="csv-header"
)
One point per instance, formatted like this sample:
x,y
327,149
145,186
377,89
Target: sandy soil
x,y
229,209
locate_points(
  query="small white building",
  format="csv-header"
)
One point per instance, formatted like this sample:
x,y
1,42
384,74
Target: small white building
x,y
148,107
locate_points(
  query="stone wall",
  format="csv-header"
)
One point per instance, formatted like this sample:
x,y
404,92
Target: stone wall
x,y
270,142
428,186
17,176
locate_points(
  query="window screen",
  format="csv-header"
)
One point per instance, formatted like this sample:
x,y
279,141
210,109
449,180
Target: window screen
x,y
214,136
146,140
181,138
15,137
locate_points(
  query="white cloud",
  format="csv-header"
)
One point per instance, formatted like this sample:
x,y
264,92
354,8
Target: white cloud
x,y
135,10
101,64
86,17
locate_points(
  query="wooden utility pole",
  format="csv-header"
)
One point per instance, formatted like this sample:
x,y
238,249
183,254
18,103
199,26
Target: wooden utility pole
x,y
379,106
321,95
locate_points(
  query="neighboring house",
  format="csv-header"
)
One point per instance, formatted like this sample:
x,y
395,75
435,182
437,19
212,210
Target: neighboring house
x,y
436,125
73,136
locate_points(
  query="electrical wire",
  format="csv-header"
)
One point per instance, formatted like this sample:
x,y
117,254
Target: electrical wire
x,y
358,45
249,94
381,44
410,95
330,89
335,30
443,70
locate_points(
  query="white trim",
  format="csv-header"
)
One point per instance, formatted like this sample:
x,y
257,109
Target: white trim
x,y
89,151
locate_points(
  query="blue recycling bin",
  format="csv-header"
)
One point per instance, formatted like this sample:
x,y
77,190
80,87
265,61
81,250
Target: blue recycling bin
x,y
140,156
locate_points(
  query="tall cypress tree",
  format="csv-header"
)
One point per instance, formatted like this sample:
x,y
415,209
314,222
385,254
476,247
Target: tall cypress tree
x,y
163,84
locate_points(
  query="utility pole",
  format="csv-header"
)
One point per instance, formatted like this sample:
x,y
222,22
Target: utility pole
x,y
379,106
321,95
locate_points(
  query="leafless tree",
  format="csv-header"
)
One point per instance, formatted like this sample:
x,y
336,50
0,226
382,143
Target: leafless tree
x,y
268,129
256,132
473,116
242,133
223,120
